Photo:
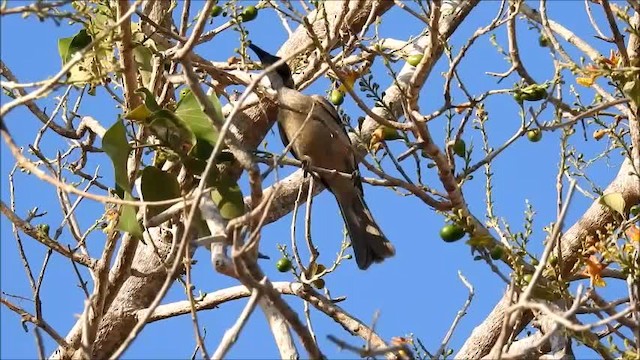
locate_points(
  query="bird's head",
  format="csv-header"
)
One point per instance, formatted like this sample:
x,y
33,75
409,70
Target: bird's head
x,y
281,77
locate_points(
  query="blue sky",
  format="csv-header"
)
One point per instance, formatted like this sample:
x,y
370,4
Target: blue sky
x,y
417,291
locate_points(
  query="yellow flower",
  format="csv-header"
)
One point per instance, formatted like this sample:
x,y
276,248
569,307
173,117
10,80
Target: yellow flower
x,y
376,140
349,76
633,232
381,134
614,59
399,341
111,217
594,271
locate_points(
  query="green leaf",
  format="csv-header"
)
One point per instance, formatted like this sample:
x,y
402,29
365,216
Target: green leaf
x,y
63,48
157,185
140,113
228,197
149,99
144,61
115,144
69,46
188,109
632,90
127,221
614,201
172,130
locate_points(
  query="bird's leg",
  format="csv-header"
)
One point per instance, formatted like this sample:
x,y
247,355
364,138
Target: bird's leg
x,y
355,177
306,163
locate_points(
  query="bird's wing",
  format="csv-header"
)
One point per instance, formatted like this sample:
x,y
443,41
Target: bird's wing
x,y
285,140
331,110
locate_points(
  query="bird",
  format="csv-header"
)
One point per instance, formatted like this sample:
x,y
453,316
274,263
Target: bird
x,y
320,140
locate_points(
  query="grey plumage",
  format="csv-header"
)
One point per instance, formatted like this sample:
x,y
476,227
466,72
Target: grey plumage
x,y
324,143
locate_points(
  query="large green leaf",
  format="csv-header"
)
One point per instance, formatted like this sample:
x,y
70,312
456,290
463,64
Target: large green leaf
x,y
188,109
143,53
69,46
144,58
149,99
128,221
115,144
157,185
63,48
172,131
228,197
632,90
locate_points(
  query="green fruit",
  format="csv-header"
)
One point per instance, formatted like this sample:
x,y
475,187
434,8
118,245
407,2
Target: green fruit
x,y
635,210
497,252
336,97
217,10
460,148
44,228
517,97
533,92
414,60
389,133
543,41
451,233
527,278
318,284
283,265
249,13
534,135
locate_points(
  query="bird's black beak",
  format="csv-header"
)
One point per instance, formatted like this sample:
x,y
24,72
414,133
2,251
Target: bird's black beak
x,y
283,71
266,58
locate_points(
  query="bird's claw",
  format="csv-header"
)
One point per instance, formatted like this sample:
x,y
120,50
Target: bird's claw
x,y
355,176
306,164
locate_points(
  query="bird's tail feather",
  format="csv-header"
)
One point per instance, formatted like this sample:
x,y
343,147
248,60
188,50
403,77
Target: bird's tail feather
x,y
368,242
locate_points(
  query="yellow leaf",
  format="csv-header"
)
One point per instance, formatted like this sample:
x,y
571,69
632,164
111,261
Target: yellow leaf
x,y
614,201
140,113
585,81
598,134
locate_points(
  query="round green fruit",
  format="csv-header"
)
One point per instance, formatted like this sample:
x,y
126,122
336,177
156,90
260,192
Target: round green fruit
x,y
543,41
497,252
44,228
451,233
283,265
635,210
460,148
414,60
249,13
534,135
517,97
336,97
534,94
216,11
